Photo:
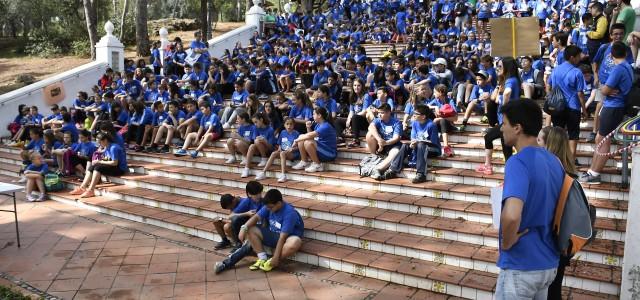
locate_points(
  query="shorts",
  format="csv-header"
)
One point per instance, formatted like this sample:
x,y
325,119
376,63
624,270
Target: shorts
x,y
106,170
484,20
569,119
610,118
325,155
269,238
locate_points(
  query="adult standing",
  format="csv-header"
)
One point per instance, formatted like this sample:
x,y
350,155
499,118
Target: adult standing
x,y
598,34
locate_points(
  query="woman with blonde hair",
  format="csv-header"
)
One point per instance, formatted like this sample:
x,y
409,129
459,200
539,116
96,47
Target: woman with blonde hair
x,y
556,140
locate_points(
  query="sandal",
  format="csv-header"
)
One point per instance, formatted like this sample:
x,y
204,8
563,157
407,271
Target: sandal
x,y
88,194
77,191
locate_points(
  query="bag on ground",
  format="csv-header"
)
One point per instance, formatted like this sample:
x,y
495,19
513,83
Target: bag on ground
x,y
368,163
52,183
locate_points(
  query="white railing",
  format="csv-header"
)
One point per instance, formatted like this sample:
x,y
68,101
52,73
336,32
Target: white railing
x,y
630,288
228,40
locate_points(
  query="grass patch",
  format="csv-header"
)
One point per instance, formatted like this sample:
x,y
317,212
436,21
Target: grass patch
x,y
9,294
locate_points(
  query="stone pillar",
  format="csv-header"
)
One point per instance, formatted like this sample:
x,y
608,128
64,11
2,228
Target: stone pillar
x,y
164,42
110,50
630,288
255,15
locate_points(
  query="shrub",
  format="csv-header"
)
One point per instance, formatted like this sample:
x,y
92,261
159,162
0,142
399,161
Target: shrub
x,y
81,48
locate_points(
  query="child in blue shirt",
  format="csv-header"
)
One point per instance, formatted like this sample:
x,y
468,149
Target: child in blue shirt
x,y
113,162
60,151
140,121
34,174
319,144
444,122
263,141
69,126
285,149
174,118
82,152
50,144
240,140
301,110
238,100
242,209
424,140
159,115
210,130
192,119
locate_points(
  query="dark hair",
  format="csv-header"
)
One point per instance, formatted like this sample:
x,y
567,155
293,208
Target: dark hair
x,y
384,107
619,26
618,50
262,116
66,117
36,130
21,108
253,188
322,112
272,196
525,112
86,133
571,51
138,106
226,201
104,136
586,17
561,37
598,6
245,116
510,68
324,89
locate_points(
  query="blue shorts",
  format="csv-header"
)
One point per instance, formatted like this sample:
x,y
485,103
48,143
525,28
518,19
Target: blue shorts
x,y
269,238
325,155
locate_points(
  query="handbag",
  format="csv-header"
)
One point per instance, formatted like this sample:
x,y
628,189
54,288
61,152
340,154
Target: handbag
x,y
447,111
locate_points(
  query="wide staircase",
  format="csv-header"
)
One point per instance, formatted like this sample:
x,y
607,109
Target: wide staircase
x,y
436,236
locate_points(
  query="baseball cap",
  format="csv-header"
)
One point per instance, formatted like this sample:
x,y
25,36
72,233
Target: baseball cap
x,y
482,73
440,61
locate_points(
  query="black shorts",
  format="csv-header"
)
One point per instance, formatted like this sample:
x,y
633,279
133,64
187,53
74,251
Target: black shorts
x,y
483,19
610,118
76,160
569,119
106,170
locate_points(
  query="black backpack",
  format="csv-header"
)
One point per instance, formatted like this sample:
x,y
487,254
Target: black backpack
x,y
555,102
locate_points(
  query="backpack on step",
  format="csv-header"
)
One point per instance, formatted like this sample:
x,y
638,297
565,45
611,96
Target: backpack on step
x,y
368,163
574,218
52,183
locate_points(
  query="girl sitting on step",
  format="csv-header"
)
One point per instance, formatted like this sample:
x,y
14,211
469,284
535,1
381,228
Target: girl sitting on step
x,y
263,141
285,149
112,162
241,139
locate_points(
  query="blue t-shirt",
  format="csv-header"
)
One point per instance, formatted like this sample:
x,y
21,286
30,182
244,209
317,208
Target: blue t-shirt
x,y
239,98
428,132
43,168
266,132
246,204
533,175
35,145
115,152
478,90
571,81
330,105
159,117
605,61
285,220
326,139
211,120
388,130
85,149
179,116
285,140
304,112
196,114
247,131
144,118
621,79
70,127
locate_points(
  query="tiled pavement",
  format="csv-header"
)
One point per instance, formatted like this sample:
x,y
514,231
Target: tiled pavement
x,y
71,253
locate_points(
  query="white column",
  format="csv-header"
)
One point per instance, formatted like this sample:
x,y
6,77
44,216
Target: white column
x,y
254,15
164,41
110,50
630,288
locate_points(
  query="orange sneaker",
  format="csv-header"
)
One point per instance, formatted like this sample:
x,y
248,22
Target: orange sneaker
x,y
77,191
87,194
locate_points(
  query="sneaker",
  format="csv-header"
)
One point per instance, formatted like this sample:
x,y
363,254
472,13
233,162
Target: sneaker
x,y
314,168
282,178
263,162
484,120
375,174
243,162
588,178
257,264
21,180
448,151
40,198
180,152
592,137
484,169
150,149
31,198
420,178
231,160
462,128
226,126
225,243
266,266
260,176
164,149
300,165
245,173
388,174
219,267
194,154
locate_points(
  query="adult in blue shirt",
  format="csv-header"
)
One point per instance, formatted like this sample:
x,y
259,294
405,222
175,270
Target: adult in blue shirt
x,y
242,209
284,231
424,140
383,138
569,79
113,162
533,180
615,89
319,144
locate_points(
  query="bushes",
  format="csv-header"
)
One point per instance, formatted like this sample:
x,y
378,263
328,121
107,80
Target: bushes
x,y
55,41
81,48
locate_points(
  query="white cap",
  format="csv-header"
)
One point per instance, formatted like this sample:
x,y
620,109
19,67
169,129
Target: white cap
x,y
440,61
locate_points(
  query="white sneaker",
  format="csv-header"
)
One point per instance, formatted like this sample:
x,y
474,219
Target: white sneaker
x,y
245,173
231,160
226,126
282,178
31,198
21,180
243,162
289,163
263,162
40,198
260,176
301,165
314,167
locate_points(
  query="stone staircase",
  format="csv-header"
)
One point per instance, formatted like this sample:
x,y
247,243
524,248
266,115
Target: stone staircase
x,y
436,236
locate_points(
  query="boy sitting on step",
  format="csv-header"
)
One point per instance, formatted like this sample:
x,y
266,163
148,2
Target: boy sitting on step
x,y
424,140
241,210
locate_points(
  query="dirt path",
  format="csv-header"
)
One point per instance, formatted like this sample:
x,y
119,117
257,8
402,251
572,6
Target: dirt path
x,y
42,68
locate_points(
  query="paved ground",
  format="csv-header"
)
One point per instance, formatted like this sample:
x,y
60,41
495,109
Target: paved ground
x,y
72,253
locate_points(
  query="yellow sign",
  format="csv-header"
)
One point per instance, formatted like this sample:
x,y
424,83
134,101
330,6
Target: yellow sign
x,y
515,36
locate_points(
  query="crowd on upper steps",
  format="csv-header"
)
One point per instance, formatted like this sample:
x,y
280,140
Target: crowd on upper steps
x,y
435,73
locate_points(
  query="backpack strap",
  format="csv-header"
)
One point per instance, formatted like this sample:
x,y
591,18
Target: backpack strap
x,y
562,201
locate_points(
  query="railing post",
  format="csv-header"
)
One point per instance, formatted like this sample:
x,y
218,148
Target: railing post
x,y
630,288
164,41
110,50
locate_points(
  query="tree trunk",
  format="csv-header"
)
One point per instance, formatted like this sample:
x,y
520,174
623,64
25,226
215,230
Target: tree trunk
x,y
114,3
211,19
142,35
91,16
203,19
124,15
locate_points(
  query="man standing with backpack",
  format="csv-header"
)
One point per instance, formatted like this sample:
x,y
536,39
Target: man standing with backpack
x,y
533,180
